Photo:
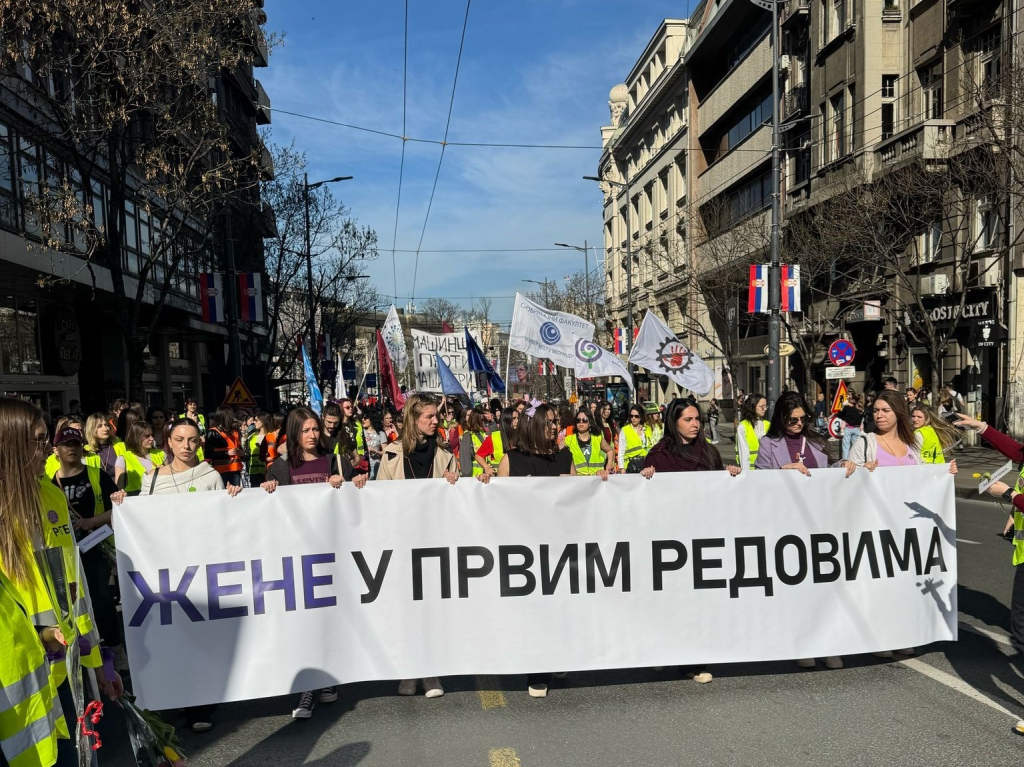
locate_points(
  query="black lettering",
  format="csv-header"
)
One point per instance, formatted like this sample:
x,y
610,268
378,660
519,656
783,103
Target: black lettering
x,y
740,579
700,563
548,580
506,570
463,553
780,559
445,563
373,580
658,549
595,565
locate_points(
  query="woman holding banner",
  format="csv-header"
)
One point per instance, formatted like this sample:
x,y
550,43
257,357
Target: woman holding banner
x,y
635,439
498,442
310,460
790,443
751,428
419,455
684,448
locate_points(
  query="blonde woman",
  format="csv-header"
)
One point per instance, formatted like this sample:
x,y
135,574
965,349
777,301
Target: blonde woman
x,y
936,434
102,447
419,455
139,459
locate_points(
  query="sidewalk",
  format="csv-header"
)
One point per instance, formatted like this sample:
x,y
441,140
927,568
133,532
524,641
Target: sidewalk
x,y
969,460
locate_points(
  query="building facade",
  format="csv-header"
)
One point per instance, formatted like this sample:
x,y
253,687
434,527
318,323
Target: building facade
x,y
60,343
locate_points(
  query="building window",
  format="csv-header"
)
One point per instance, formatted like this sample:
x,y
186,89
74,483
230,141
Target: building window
x,y
19,337
987,224
890,93
130,261
8,210
837,127
29,181
929,244
989,64
931,91
752,118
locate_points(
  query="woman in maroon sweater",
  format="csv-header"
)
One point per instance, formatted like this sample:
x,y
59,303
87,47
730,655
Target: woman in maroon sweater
x,y
684,448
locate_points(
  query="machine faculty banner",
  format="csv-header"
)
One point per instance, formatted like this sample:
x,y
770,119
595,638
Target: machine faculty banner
x,y
265,594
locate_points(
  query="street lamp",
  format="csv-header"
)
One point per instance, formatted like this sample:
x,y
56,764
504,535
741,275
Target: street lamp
x,y
306,186
586,271
629,251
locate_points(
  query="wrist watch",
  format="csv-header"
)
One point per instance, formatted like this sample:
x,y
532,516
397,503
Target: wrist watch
x,y
1008,495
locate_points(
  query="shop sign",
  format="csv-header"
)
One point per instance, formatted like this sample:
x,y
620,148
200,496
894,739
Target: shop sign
x,y
979,305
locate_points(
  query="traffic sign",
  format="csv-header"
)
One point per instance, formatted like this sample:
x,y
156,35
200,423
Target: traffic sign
x,y
841,352
841,396
239,396
833,374
835,427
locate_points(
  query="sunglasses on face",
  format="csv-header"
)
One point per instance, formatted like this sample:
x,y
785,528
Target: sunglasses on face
x,y
793,421
582,420
634,415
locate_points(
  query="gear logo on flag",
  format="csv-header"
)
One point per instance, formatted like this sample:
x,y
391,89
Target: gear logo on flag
x,y
673,357
588,352
550,334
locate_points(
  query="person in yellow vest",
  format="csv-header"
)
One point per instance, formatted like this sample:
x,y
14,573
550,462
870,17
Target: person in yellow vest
x,y
254,447
1013,495
34,519
591,453
102,447
192,412
351,423
635,439
471,441
67,422
936,434
140,458
751,428
654,421
498,442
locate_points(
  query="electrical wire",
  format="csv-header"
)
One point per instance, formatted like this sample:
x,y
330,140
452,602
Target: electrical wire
x,y
444,145
401,163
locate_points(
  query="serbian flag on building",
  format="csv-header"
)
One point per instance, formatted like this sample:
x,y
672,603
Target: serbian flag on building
x,y
757,289
619,336
250,297
211,296
791,288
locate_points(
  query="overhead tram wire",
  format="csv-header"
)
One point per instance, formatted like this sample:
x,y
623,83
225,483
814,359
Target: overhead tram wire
x,y
444,145
401,164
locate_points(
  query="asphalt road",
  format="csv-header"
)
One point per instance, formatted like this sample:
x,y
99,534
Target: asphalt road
x,y
953,704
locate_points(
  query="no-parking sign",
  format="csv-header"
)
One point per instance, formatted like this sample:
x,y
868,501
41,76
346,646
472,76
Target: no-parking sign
x,y
841,352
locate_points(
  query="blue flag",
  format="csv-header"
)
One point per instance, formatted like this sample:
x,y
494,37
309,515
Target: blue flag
x,y
480,364
316,398
449,383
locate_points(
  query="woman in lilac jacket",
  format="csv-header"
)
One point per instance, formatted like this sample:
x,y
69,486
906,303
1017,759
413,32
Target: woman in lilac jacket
x,y
790,443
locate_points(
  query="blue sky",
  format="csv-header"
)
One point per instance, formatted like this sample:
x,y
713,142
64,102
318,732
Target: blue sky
x,y
532,71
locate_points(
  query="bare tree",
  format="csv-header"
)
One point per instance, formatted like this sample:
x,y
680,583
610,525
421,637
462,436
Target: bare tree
x,y
122,100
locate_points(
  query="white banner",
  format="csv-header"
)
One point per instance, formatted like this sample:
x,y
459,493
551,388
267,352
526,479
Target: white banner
x,y
394,340
264,594
452,348
546,333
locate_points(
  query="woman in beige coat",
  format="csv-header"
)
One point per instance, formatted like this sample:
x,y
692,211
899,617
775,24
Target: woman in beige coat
x,y
418,455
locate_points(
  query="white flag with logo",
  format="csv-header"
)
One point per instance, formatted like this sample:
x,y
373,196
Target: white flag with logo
x,y
394,340
546,333
593,361
657,349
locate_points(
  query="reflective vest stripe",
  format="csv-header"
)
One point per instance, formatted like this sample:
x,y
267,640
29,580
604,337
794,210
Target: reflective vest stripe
x,y
34,736
18,692
44,618
225,463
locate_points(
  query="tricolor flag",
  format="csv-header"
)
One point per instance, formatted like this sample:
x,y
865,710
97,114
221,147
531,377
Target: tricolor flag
x,y
250,297
211,296
619,336
791,288
757,289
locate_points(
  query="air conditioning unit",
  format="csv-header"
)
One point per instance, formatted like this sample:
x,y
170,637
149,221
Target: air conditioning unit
x,y
935,284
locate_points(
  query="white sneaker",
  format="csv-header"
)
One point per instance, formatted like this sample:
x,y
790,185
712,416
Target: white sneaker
x,y
432,687
807,663
328,695
834,661
305,708
1019,727
407,687
538,690
701,677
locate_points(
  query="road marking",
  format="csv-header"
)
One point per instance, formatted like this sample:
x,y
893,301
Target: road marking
x,y
504,757
965,540
490,696
955,683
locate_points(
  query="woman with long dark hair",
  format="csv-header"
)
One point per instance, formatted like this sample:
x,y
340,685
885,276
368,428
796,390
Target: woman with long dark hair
x,y
498,442
140,457
419,455
590,451
685,448
309,461
635,438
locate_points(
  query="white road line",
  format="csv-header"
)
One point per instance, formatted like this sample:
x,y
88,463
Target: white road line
x,y
995,636
965,540
955,683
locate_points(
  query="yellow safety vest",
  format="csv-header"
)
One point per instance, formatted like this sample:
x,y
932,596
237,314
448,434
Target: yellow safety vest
x,y
635,446
199,419
499,447
753,442
256,464
93,474
52,464
1018,525
30,712
931,447
135,471
478,440
92,458
597,456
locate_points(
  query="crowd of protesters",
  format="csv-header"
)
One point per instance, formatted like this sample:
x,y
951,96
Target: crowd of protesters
x,y
93,462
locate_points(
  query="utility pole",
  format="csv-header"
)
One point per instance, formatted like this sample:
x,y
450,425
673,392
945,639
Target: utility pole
x,y
629,254
231,289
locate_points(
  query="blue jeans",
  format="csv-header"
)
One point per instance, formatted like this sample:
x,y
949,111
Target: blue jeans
x,y
850,433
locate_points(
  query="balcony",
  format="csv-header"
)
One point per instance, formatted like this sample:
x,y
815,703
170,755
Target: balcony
x,y
735,86
930,141
795,9
795,102
260,54
734,165
266,162
262,104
